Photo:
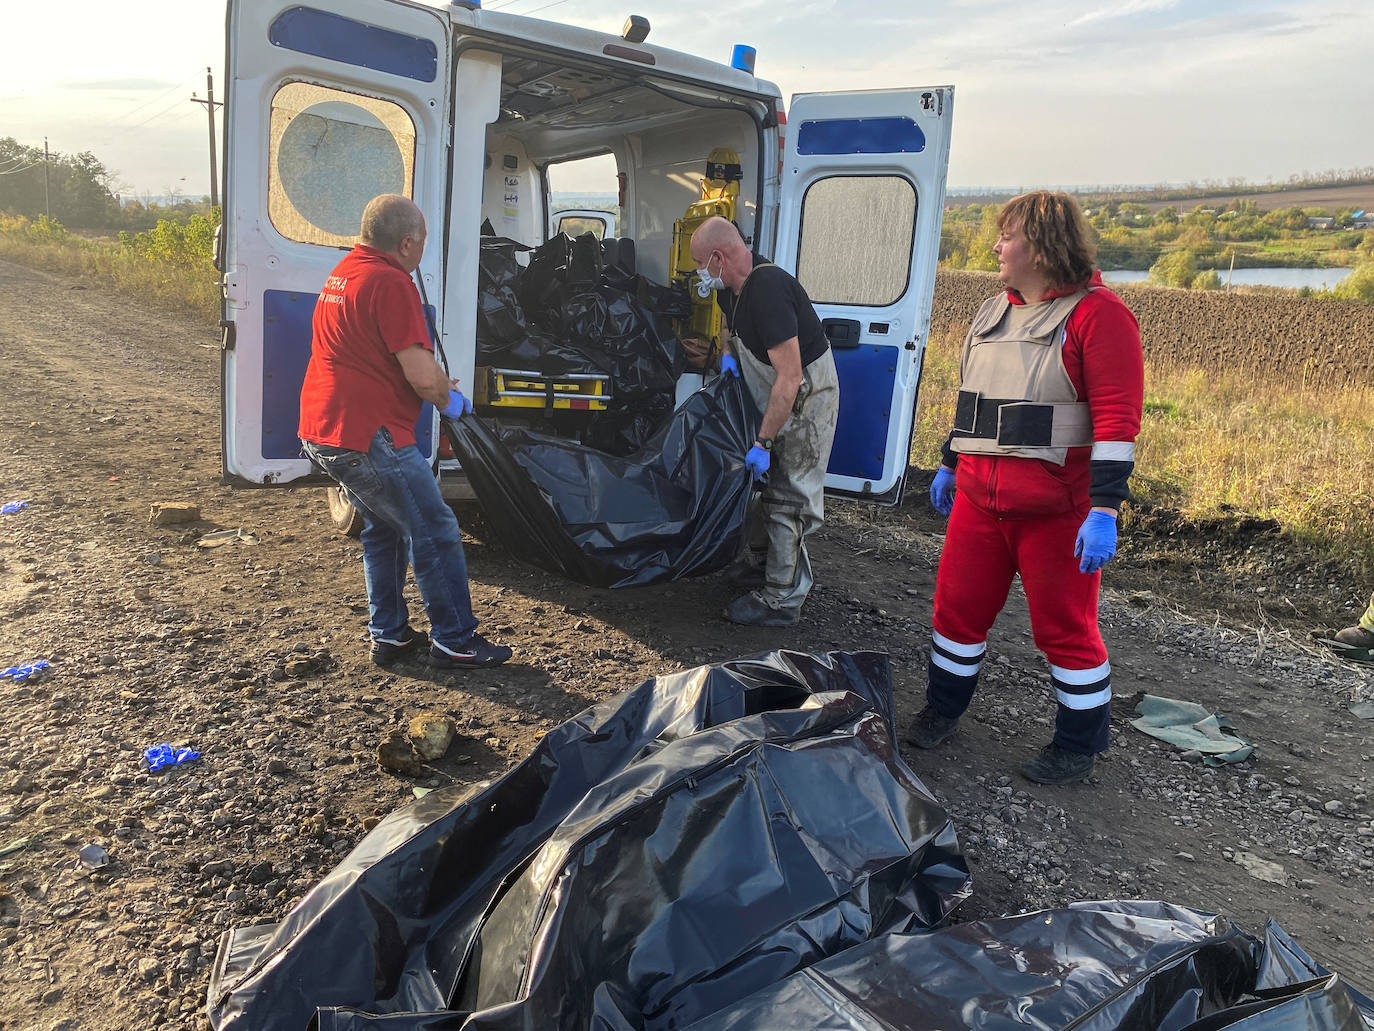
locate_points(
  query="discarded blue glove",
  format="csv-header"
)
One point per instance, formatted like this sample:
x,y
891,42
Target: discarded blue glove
x,y
457,405
1096,542
942,490
161,756
757,461
11,507
34,669
728,365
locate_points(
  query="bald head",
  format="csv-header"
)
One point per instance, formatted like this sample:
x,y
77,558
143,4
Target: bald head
x,y
389,219
718,236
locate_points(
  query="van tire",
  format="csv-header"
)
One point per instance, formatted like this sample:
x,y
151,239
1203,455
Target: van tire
x,y
342,514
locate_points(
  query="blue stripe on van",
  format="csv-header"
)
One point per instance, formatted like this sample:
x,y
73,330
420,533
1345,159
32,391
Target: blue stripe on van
x,y
861,136
286,323
325,34
867,375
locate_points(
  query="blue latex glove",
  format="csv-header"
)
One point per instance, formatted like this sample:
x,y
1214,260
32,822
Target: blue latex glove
x,y
730,367
159,757
942,490
757,462
1096,543
457,405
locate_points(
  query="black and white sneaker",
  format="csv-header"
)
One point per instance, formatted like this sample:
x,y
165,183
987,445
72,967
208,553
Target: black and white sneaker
x,y
409,643
476,653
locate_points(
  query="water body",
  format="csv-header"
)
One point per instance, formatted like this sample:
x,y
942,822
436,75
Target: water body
x,y
1292,278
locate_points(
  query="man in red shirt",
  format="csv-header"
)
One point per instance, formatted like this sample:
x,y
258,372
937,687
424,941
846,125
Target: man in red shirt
x,y
1052,386
371,369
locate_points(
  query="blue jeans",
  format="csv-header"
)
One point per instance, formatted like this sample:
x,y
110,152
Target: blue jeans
x,y
405,519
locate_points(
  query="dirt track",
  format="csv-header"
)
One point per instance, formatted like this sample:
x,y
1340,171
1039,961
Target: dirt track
x,y
255,655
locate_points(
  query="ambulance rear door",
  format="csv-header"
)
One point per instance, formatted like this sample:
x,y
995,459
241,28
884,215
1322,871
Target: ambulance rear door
x,y
328,106
861,202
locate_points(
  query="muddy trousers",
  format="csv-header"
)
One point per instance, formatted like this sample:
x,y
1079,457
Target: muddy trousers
x,y
981,554
792,505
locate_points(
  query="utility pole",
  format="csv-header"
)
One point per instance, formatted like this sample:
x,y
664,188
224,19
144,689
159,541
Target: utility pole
x,y
47,208
210,105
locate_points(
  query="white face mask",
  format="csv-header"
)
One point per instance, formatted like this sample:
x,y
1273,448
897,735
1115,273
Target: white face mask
x,y
707,282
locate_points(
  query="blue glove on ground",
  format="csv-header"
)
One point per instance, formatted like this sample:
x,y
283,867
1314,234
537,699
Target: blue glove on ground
x,y
1096,543
757,462
728,365
942,490
457,405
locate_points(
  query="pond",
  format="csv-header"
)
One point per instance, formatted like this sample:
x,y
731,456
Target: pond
x,y
1292,278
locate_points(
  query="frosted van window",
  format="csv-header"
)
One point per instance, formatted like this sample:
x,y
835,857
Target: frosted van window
x,y
330,153
856,238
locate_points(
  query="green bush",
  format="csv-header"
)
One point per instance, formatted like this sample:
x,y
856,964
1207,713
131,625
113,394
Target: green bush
x,y
1358,286
1176,268
1208,280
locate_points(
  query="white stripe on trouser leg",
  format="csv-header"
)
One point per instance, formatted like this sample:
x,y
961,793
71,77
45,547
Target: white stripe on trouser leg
x,y
968,651
1083,678
959,669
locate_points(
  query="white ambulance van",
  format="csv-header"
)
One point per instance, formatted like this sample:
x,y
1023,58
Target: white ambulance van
x,y
468,111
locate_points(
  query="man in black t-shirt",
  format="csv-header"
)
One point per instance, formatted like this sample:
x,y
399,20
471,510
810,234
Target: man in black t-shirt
x,y
779,348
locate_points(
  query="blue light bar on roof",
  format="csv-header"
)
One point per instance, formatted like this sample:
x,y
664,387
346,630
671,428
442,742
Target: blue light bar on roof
x,y
742,57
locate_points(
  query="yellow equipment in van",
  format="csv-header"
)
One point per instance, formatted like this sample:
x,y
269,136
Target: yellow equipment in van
x,y
518,388
719,196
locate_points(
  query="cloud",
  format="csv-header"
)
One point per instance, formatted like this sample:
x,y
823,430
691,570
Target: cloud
x,y
129,85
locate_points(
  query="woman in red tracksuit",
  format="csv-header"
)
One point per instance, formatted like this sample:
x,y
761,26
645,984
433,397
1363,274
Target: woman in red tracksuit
x,y
1052,382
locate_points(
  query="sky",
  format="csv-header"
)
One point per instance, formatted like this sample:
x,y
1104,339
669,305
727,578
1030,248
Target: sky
x,y
1053,93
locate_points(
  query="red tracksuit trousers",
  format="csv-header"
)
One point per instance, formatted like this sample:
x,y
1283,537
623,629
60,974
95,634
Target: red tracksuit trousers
x,y
982,553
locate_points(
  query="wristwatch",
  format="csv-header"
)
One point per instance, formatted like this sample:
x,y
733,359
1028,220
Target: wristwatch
x,y
764,442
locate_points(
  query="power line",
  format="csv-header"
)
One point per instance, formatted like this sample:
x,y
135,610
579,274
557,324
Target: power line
x,y
156,114
135,110
16,171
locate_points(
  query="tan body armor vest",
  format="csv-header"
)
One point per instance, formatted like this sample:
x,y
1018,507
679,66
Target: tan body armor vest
x,y
1015,397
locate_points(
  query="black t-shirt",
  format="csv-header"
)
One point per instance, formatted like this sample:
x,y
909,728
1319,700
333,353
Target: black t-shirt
x,y
775,309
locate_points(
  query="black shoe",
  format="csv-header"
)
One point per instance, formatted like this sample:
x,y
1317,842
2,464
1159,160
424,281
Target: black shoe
x,y
409,643
929,728
751,610
1055,765
474,654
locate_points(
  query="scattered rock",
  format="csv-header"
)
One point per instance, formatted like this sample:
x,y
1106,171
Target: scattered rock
x,y
430,733
170,513
396,755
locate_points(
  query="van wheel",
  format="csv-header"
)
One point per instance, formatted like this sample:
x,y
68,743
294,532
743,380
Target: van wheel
x,y
342,513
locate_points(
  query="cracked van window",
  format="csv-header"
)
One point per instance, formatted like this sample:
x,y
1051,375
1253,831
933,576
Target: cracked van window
x,y
856,237
330,153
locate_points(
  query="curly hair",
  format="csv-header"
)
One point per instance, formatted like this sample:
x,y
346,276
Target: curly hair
x,y
1057,232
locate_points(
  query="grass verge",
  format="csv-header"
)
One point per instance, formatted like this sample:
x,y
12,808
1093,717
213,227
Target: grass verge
x,y
1215,445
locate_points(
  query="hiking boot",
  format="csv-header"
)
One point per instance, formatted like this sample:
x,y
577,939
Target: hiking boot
x,y
1055,765
751,610
929,728
409,643
1354,637
475,653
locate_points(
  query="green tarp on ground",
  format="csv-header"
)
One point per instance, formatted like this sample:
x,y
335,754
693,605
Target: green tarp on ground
x,y
1190,727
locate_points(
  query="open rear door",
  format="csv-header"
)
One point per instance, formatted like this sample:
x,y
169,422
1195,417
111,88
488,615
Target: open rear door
x,y
863,195
328,106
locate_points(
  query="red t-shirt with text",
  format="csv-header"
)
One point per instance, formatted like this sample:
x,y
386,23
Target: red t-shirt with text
x,y
368,310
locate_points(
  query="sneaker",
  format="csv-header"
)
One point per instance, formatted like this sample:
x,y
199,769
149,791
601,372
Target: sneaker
x,y
1354,637
1055,765
387,651
929,728
477,652
751,610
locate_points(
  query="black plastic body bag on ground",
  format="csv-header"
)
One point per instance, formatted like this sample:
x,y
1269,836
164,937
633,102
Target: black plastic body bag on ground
x,y
675,508
1093,966
657,857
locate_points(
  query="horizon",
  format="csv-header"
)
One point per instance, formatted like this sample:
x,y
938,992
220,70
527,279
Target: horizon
x,y
1135,91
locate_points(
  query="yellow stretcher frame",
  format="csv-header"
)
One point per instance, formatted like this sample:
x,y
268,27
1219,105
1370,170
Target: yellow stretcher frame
x,y
523,388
